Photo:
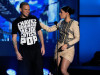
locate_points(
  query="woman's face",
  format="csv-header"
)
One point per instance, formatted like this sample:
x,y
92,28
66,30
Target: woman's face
x,y
62,14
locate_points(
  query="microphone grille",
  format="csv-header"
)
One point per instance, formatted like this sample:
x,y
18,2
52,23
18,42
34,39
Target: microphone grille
x,y
55,22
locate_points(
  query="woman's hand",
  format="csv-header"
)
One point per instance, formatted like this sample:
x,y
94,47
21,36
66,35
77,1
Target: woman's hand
x,y
64,47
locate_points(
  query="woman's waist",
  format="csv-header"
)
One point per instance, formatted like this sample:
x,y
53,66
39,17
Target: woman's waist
x,y
66,39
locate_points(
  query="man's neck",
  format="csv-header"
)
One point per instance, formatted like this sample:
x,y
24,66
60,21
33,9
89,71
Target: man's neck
x,y
23,16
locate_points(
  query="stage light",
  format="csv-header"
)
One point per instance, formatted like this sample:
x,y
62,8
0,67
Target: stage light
x,y
12,1
45,71
11,72
32,2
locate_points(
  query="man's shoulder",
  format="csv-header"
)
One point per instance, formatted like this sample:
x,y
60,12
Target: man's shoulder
x,y
16,19
32,16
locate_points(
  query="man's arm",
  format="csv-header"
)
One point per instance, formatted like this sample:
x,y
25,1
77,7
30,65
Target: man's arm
x,y
14,39
42,42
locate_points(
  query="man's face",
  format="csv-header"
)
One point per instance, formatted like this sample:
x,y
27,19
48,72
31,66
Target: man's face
x,y
25,10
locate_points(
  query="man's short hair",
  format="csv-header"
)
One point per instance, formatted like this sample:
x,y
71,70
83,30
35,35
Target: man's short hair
x,y
23,3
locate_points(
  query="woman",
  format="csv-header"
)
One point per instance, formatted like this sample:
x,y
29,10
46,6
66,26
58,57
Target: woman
x,y
69,35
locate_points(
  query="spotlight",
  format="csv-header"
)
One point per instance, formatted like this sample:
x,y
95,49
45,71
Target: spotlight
x,y
11,72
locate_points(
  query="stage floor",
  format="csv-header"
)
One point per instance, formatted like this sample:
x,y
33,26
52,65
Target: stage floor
x,y
7,62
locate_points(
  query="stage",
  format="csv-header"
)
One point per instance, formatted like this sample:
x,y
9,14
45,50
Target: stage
x,y
8,62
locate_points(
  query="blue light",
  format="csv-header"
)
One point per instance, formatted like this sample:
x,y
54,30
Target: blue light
x,y
12,1
32,2
45,71
89,7
11,72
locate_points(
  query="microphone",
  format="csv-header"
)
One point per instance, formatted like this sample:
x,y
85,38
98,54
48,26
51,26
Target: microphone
x,y
55,23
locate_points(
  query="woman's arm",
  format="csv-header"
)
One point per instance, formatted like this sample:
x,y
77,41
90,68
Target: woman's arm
x,y
49,29
76,34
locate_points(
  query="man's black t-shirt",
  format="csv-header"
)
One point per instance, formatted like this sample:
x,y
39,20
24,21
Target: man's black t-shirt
x,y
27,29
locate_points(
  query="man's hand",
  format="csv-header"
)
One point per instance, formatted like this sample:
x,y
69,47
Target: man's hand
x,y
64,47
14,39
42,42
19,57
42,50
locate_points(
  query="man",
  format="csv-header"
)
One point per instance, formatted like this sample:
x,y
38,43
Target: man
x,y
29,54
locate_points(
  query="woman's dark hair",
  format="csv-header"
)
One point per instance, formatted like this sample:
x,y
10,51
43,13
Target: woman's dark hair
x,y
23,3
68,9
